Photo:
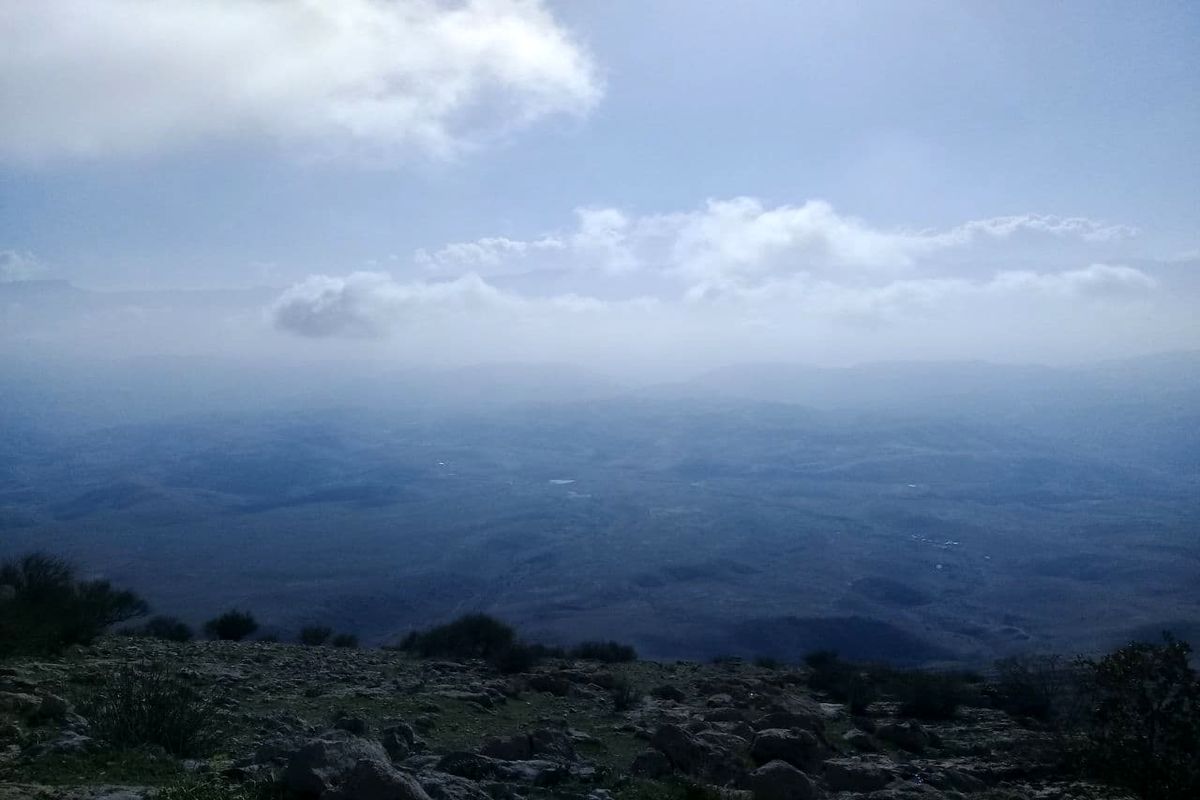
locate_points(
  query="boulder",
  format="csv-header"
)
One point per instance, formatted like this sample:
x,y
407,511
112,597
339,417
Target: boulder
x,y
860,741
669,692
552,683
854,775
512,748
440,786
791,720
374,780
54,708
350,724
779,780
650,764
908,736
797,747
545,743
700,756
22,705
956,780
321,765
398,740
538,772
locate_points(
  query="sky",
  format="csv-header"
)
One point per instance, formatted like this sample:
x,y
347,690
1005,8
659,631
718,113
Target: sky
x,y
671,182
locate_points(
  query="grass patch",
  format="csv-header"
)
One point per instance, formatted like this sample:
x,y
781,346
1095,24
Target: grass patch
x,y
135,767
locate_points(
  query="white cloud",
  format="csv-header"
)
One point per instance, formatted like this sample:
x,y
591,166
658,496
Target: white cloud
x,y
368,304
370,79
737,280
372,304
16,266
742,238
489,252
1087,229
894,299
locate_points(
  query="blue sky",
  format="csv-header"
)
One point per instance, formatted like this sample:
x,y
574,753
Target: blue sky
x,y
810,145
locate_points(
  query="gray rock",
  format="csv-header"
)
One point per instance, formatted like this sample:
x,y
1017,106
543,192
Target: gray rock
x,y
853,775
373,780
650,764
957,780
669,692
551,683
791,720
797,747
398,740
512,748
67,742
321,765
22,705
440,786
779,780
693,755
355,725
54,708
479,767
908,736
860,741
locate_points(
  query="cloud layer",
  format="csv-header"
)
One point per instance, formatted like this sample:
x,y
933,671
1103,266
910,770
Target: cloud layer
x,y
369,79
742,238
741,279
16,266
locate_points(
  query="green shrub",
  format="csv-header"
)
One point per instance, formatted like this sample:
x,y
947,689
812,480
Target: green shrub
x,y
829,674
859,690
929,695
213,788
469,636
170,629
345,640
515,658
1144,728
1044,688
625,695
45,608
315,635
605,652
140,707
767,662
231,626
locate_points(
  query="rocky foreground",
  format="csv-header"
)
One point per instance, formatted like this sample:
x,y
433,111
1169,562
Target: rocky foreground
x,y
340,724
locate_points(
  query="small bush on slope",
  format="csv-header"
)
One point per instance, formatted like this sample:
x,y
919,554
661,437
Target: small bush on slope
x,y
44,608
345,640
1144,728
315,635
605,652
1041,687
167,628
140,707
231,626
469,636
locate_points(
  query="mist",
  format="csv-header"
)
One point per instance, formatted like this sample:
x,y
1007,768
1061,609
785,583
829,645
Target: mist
x,y
611,400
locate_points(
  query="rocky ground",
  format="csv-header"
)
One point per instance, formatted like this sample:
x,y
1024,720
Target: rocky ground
x,y
340,724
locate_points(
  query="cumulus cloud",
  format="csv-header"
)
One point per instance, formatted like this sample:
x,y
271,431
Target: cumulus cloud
x,y
371,79
367,304
898,298
16,266
742,238
491,252
373,304
737,279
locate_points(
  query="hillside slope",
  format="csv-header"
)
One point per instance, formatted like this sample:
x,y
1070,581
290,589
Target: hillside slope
x,y
380,725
